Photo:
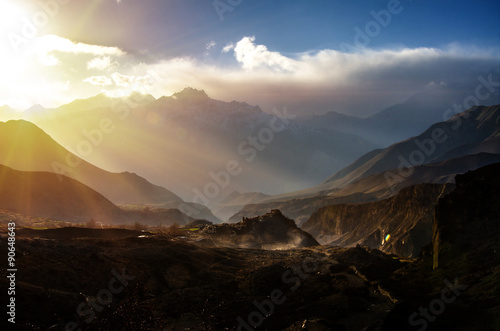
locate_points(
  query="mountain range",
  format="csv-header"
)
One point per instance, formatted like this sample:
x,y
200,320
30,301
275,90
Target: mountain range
x,y
465,142
184,141
209,150
403,120
41,194
37,194
25,147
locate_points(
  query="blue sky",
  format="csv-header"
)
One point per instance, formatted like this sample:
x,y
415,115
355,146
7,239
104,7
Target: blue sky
x,y
289,26
308,55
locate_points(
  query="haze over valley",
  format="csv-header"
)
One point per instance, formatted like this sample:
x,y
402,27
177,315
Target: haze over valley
x,y
250,165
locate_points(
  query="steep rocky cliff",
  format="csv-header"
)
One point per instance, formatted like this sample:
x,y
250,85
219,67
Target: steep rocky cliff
x,y
401,224
467,221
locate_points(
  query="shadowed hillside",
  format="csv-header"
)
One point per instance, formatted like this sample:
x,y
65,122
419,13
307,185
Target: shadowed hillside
x,y
467,141
42,195
23,146
401,225
471,127
468,219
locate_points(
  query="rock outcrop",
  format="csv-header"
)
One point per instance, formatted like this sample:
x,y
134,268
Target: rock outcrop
x,y
401,225
270,231
468,219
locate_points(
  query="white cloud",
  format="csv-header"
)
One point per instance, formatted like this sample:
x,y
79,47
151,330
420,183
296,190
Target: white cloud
x,y
123,80
324,80
211,45
48,59
50,49
315,81
98,80
227,48
50,43
100,63
252,56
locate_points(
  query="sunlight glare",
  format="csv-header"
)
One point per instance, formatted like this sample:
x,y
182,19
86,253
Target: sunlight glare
x,y
10,16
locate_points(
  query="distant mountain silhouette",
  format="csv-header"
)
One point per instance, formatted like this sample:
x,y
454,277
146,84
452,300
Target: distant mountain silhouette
x,y
41,194
24,146
7,113
400,121
443,150
463,132
234,202
38,194
180,139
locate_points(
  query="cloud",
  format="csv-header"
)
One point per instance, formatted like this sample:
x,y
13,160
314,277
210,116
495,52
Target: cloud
x,y
210,45
50,49
253,56
98,80
123,84
50,43
100,63
228,48
358,83
433,85
123,80
48,59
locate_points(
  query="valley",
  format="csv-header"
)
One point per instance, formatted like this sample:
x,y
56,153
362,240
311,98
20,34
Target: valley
x,y
232,165
208,277
368,248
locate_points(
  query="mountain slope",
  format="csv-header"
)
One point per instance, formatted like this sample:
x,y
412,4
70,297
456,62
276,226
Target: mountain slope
x,y
41,194
470,128
401,224
38,194
400,121
183,141
367,189
7,113
474,131
234,202
24,146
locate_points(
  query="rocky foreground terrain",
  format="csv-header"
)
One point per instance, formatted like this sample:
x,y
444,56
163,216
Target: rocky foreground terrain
x,y
193,279
161,283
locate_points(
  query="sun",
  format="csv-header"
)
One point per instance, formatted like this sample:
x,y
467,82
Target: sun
x,y
11,15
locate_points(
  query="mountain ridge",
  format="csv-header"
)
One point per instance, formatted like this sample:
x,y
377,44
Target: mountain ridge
x,y
25,147
436,140
402,120
197,135
40,194
381,173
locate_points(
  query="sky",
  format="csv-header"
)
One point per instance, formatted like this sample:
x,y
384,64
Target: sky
x,y
313,56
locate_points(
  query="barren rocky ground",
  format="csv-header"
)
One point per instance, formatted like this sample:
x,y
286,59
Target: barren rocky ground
x,y
165,283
